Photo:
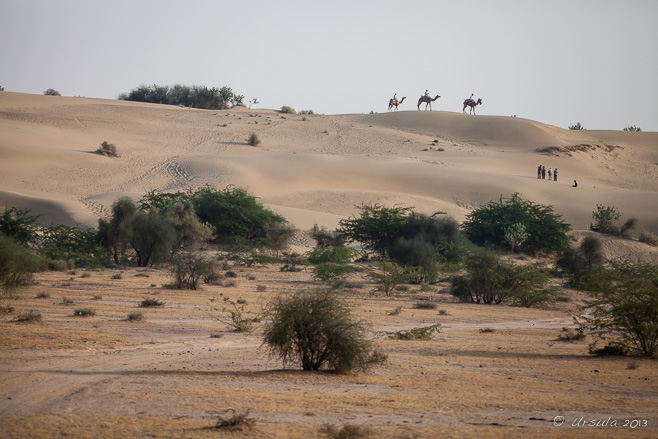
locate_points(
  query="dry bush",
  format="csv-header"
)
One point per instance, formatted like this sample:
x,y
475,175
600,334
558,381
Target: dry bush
x,y
108,150
51,92
254,140
237,421
288,110
648,238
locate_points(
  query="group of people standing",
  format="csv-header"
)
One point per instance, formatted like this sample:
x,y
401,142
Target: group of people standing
x,y
541,173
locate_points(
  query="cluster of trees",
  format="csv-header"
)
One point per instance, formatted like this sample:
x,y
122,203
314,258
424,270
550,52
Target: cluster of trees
x,y
405,246
189,96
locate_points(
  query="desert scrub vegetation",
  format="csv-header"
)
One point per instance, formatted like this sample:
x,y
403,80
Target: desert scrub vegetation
x,y
189,268
623,309
633,128
51,92
31,316
188,96
136,316
607,221
581,263
576,127
648,238
151,303
108,150
254,140
490,280
316,328
288,110
405,237
538,225
237,421
348,431
424,333
331,254
236,317
84,312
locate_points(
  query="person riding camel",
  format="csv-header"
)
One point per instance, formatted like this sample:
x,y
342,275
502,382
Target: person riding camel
x,y
471,99
395,98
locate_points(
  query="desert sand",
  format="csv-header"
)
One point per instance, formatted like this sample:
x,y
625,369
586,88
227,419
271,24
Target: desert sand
x,y
104,376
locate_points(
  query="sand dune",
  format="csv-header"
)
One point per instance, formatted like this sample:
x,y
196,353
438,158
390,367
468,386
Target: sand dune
x,y
313,168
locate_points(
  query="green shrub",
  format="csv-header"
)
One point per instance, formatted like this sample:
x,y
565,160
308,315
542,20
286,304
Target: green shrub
x,y
576,127
237,318
51,92
388,275
376,228
19,225
17,263
189,268
545,229
75,244
279,236
325,238
189,96
623,306
490,280
331,273
632,128
153,238
316,328
234,214
334,255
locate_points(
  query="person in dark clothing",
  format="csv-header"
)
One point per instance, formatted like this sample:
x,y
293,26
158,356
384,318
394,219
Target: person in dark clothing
x,y
575,184
543,172
555,174
539,172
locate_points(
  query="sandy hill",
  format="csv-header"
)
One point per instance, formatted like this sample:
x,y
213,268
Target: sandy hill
x,y
313,168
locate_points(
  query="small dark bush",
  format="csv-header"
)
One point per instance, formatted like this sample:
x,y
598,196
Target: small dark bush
x,y
254,140
31,316
288,110
151,303
347,432
335,255
84,312
136,316
426,304
238,421
416,333
108,150
51,92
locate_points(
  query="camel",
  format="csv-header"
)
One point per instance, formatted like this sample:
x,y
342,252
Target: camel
x,y
471,103
428,101
394,103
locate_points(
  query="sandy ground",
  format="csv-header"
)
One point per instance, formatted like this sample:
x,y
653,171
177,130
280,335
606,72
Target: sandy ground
x,y
107,377
174,374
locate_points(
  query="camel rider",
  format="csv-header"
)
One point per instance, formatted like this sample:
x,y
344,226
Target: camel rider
x,y
427,94
395,98
471,99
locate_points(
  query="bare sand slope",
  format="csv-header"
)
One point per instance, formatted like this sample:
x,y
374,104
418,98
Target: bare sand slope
x,y
313,168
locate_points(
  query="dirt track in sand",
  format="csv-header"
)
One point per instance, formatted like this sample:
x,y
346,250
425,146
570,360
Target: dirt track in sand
x,y
104,376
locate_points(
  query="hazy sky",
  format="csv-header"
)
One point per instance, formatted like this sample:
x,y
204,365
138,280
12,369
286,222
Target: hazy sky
x,y
558,62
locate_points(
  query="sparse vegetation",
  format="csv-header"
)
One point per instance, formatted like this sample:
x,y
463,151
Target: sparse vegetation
x,y
288,110
624,308
346,432
254,140
237,421
633,128
31,316
426,304
51,92
648,238
136,316
151,303
84,312
576,127
316,328
606,221
108,150
424,333
189,268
